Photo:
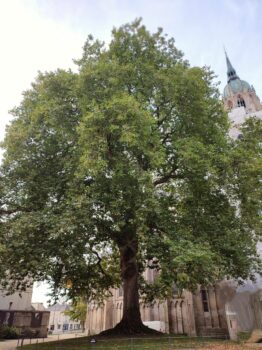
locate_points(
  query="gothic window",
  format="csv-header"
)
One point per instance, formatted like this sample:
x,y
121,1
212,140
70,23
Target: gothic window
x,y
230,104
204,297
120,291
241,102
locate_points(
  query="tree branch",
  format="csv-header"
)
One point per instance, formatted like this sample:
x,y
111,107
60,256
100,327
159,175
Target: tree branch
x,y
13,211
165,178
99,262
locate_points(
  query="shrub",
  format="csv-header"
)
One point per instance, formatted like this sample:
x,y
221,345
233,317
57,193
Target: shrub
x,y
243,336
7,332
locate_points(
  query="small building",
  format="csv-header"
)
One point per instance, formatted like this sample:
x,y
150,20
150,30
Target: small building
x,y
16,310
59,322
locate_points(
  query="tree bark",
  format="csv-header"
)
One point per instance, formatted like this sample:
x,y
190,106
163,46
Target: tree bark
x,y
131,322
131,319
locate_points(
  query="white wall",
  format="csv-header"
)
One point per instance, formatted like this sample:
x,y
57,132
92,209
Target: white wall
x,y
237,117
59,318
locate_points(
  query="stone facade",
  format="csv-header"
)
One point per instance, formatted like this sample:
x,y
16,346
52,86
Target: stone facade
x,y
28,323
201,313
247,99
17,310
16,301
238,116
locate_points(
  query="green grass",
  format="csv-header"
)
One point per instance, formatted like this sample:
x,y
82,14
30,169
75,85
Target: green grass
x,y
142,343
244,336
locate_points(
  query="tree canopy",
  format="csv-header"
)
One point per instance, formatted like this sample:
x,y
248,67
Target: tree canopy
x,y
127,165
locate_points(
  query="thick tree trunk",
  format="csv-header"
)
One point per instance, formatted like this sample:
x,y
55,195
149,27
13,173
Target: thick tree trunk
x,y
131,322
131,319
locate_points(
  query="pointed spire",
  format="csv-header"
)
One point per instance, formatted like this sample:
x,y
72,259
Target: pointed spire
x,y
231,72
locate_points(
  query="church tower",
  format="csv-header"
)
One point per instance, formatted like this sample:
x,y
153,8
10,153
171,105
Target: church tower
x,y
238,93
241,102
240,99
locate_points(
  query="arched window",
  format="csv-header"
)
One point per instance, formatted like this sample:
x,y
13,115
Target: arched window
x,y
230,104
204,297
120,291
241,102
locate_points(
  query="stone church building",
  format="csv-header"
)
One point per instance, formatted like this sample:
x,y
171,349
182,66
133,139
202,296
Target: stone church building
x,y
222,310
201,313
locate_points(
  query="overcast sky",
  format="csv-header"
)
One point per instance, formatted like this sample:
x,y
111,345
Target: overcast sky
x,y
47,34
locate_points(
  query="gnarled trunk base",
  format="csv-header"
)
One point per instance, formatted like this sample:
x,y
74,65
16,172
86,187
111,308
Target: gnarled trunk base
x,y
131,323
126,328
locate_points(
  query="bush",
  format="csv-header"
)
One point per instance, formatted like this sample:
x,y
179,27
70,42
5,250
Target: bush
x,y
243,336
7,332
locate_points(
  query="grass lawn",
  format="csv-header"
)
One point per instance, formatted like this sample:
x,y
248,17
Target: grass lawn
x,y
142,343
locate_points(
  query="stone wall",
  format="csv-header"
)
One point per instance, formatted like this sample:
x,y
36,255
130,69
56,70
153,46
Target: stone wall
x,y
16,301
212,321
34,322
252,102
256,304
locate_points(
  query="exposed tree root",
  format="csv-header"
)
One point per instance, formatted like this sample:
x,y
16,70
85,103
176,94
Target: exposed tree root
x,y
126,329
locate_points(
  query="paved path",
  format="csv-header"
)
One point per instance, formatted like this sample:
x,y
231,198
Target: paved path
x,y
12,344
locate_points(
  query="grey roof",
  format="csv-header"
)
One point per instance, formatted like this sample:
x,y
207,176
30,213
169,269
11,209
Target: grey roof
x,y
58,307
38,306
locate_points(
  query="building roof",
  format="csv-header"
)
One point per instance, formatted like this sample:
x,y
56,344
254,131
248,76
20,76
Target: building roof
x,y
234,83
236,86
38,306
58,307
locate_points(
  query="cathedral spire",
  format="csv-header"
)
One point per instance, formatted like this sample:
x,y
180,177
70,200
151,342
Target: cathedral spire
x,y
231,72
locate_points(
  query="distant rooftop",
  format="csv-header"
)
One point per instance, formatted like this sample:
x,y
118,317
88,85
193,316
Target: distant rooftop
x,y
58,307
38,306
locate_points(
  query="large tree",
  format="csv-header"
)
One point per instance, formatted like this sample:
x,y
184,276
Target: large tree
x,y
123,166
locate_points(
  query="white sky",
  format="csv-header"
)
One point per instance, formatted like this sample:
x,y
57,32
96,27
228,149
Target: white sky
x,y
47,34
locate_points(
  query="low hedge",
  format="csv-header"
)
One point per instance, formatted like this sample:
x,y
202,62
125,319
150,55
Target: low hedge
x,y
7,332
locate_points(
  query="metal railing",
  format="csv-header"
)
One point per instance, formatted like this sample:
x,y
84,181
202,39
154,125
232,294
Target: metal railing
x,y
22,341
